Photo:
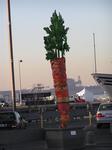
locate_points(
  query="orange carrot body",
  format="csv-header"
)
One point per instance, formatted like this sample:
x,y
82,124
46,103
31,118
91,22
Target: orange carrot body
x,y
61,89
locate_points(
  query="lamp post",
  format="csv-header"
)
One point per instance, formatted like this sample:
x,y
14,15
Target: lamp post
x,y
20,61
11,55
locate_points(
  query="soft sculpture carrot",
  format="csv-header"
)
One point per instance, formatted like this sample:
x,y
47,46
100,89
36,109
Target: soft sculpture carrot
x,y
56,45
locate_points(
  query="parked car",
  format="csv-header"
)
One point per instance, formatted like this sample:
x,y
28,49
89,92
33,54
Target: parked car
x,y
12,119
104,114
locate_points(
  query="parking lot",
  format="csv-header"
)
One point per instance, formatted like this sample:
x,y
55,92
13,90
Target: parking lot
x,y
103,140
29,139
32,138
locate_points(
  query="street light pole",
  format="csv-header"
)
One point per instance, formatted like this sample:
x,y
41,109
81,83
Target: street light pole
x,y
20,61
11,56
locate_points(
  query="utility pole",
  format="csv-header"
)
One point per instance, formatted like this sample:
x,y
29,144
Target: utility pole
x,y
11,56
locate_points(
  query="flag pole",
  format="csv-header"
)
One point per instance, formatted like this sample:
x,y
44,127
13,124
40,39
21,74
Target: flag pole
x,y
95,66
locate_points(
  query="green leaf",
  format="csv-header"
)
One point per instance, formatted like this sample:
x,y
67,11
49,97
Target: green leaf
x,y
56,39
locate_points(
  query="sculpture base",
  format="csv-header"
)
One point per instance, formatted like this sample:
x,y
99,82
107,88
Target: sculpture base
x,y
65,139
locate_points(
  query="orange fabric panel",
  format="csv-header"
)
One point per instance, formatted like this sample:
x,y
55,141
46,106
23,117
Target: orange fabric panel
x,y
61,89
64,120
62,94
63,107
59,78
62,100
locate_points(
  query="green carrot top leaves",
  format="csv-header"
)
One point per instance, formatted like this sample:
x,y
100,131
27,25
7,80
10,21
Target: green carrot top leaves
x,y
56,39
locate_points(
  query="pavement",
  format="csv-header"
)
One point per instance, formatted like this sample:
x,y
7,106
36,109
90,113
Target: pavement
x,y
102,140
29,139
36,145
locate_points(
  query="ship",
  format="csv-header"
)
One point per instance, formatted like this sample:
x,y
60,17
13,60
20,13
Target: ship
x,y
105,81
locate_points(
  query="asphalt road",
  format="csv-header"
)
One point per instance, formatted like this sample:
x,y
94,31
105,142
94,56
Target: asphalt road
x,y
32,138
102,139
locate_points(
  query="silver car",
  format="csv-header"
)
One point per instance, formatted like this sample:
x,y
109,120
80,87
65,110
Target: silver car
x,y
104,114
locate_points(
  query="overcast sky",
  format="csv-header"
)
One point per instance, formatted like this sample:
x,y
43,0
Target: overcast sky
x,y
83,17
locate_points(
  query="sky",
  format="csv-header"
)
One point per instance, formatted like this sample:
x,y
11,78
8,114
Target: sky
x,y
29,17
